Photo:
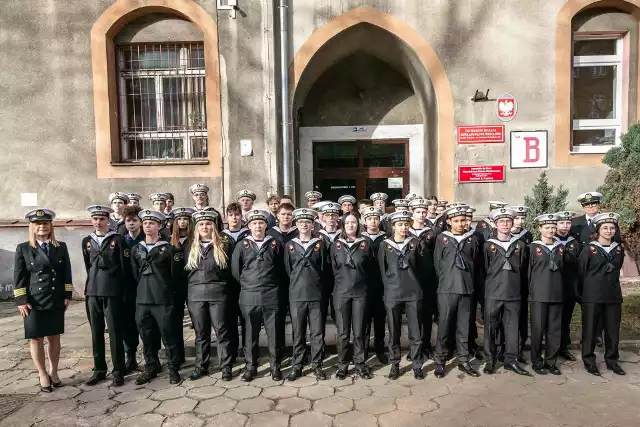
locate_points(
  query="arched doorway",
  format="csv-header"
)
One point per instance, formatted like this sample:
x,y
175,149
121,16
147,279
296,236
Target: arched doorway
x,y
372,110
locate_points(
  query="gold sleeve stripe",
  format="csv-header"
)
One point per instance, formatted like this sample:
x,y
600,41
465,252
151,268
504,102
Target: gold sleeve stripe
x,y
19,292
68,288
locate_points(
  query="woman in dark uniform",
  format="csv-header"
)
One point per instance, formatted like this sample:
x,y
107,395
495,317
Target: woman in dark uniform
x,y
42,290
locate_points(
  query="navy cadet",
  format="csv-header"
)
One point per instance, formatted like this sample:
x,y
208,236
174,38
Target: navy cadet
x,y
401,268
570,282
329,233
171,201
478,292
318,207
505,257
159,203
546,292
400,205
486,226
600,293
118,202
583,226
455,261
130,330
245,199
42,289
347,204
235,227
312,197
375,303
200,194
441,205
306,261
134,199
285,230
380,201
258,265
409,197
108,265
154,272
211,297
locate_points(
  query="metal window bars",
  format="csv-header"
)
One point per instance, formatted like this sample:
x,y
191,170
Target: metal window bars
x,y
163,115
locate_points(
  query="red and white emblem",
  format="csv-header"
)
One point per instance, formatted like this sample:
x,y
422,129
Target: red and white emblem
x,y
112,245
338,245
273,244
291,248
445,240
506,107
539,251
363,245
593,250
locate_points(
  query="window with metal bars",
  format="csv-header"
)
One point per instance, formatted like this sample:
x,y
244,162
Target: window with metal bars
x,y
163,115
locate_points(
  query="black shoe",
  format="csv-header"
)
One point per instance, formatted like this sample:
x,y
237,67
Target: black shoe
x,y
394,372
514,367
616,369
439,372
55,384
468,369
198,373
320,375
566,354
118,380
418,373
276,374
174,377
592,369
146,377
130,365
341,374
382,358
227,375
539,369
47,389
501,358
408,357
553,370
490,367
248,376
364,372
295,373
479,354
96,378
522,359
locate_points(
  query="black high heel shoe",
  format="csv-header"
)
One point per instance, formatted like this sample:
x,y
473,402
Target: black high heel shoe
x,y
47,389
55,384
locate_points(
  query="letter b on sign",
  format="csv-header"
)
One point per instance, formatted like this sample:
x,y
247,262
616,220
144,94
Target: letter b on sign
x,y
529,149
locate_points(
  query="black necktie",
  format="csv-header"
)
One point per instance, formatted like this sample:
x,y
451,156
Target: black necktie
x,y
45,248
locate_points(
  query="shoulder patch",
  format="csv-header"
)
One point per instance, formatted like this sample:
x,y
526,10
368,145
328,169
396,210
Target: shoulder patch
x,y
539,251
112,244
593,250
338,245
127,253
163,250
291,248
246,244
469,239
88,245
618,250
273,244
571,246
316,247
492,247
561,250
445,240
177,256
363,245
484,225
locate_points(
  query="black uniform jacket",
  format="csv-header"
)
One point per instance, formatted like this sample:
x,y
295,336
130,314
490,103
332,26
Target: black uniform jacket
x,y
181,275
328,236
282,236
570,270
455,259
374,288
546,272
582,231
599,272
486,228
237,235
117,225
131,242
401,268
154,272
355,269
505,267
108,265
427,235
40,281
259,270
307,265
208,281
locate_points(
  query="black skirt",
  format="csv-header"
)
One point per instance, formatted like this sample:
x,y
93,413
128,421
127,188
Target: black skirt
x,y
43,323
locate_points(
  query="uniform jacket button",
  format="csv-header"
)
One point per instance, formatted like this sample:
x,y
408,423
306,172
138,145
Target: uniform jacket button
x,y
39,280
39,289
53,288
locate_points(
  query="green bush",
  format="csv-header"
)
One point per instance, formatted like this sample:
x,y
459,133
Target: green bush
x,y
545,199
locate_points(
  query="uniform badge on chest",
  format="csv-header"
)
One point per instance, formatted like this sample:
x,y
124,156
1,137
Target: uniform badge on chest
x,y
291,248
539,251
338,245
593,250
445,240
316,248
492,247
363,245
246,244
112,244
273,244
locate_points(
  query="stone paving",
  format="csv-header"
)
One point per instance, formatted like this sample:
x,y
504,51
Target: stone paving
x,y
504,399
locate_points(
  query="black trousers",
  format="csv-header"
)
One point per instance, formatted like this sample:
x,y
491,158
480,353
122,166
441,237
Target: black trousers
x,y
429,308
236,337
413,311
350,322
454,311
546,322
473,329
208,314
157,321
592,315
501,319
110,309
565,328
313,314
523,320
376,314
129,327
178,319
254,317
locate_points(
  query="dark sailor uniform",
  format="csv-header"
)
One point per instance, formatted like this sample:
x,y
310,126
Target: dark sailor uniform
x,y
523,322
428,236
583,228
117,225
182,278
129,327
570,283
237,337
375,312
282,236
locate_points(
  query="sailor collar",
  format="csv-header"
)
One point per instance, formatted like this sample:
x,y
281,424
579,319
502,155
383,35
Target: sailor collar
x,y
305,245
569,239
291,230
373,236
521,233
458,237
400,247
350,244
96,238
551,247
607,249
265,240
156,245
505,245
417,232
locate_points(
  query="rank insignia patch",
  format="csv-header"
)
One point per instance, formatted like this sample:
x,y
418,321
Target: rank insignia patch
x,y
492,247
291,248
112,245
176,257
571,246
246,244
127,253
593,250
338,246
539,251
445,240
363,245
273,244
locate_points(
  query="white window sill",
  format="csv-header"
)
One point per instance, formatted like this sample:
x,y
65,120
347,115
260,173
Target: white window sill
x,y
592,150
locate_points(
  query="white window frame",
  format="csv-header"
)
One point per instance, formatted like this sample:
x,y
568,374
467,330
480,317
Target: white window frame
x,y
601,124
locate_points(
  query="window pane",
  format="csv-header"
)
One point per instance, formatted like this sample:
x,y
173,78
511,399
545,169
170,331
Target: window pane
x,y
594,92
159,149
384,155
594,47
196,57
381,185
594,137
151,57
141,104
336,155
333,188
199,147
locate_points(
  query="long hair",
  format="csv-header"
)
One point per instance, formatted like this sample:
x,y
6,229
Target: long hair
x,y
343,233
175,233
32,235
195,252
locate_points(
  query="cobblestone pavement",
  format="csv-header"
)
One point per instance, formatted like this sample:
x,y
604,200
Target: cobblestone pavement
x,y
504,399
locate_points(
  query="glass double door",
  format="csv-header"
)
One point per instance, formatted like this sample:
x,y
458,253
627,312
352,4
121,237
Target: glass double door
x,y
361,168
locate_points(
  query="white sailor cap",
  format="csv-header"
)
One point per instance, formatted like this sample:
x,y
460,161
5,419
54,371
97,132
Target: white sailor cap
x,y
442,203
99,210
418,203
520,210
547,219
133,196
330,208
400,203
151,215
455,211
199,188
371,211
412,196
305,213
158,197
496,204
211,215
256,215
347,198
40,214
606,218
400,216
379,196
318,206
590,198
566,215
182,212
118,196
455,205
499,213
313,195
470,211
246,193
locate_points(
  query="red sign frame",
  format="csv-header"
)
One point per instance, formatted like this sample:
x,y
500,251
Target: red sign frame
x,y
481,134
481,173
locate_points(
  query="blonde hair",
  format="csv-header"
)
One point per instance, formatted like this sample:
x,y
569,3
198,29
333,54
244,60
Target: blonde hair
x,y
195,252
175,232
32,235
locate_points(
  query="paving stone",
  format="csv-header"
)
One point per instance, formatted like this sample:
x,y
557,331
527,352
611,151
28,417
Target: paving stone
x,y
355,418
301,382
58,421
99,421
264,382
93,395
333,405
399,419
206,392
293,405
227,419
332,381
315,392
276,393
254,405
94,409
391,391
66,392
416,403
355,391
627,356
375,405
202,382
445,418
138,407
160,383
485,417
458,402
185,420
311,419
168,393
268,419
215,406
240,393
129,385
144,420
47,410
176,406
131,396
469,388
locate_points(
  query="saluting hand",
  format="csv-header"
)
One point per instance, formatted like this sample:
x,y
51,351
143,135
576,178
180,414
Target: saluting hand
x,y
24,309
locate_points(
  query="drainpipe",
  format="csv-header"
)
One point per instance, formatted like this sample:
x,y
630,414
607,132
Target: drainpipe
x,y
284,95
